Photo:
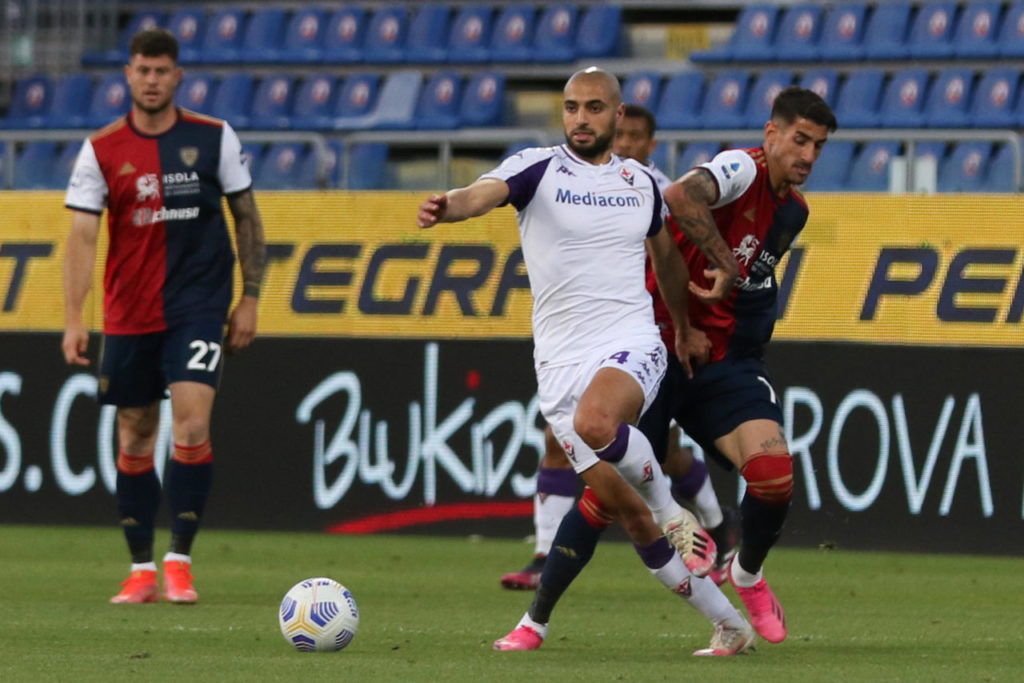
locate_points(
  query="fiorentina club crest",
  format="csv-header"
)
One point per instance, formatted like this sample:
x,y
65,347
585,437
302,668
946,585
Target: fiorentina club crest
x,y
569,450
648,472
684,588
627,175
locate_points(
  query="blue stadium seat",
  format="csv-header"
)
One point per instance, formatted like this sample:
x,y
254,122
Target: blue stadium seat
x,y
935,149
222,43
271,104
643,88
885,36
439,101
71,96
751,40
762,95
252,155
36,167
367,166
233,99
197,91
555,39
188,26
975,35
483,100
843,33
1011,33
30,104
386,35
395,107
281,165
304,37
725,100
1000,171
946,106
314,102
428,34
870,169
512,40
825,82
931,34
857,105
994,98
109,100
600,32
903,102
679,105
832,168
471,35
517,146
965,168
797,37
343,40
262,41
358,96
660,157
310,175
116,56
66,162
695,154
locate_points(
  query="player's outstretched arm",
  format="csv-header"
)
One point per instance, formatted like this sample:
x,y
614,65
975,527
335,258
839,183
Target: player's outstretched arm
x,y
79,259
673,277
689,199
462,203
252,257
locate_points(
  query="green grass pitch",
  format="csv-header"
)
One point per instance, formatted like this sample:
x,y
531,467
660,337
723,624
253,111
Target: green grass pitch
x,y
431,606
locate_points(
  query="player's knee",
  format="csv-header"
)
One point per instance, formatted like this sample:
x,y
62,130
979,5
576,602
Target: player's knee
x,y
596,427
769,477
191,430
593,510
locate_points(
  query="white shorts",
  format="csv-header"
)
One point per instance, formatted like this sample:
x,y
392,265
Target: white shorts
x,y
560,388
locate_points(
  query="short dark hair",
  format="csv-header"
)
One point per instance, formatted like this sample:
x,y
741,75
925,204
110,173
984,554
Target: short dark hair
x,y
795,102
635,111
154,42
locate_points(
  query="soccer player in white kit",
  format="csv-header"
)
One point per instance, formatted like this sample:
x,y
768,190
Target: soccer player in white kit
x,y
584,218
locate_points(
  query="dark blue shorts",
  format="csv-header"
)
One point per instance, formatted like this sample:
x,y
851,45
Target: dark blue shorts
x,y
135,369
720,397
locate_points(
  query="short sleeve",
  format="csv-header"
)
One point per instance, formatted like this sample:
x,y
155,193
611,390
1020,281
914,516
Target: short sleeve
x,y
734,171
522,173
87,188
233,171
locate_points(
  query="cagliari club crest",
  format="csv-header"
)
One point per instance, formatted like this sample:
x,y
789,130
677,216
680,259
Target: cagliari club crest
x,y
189,155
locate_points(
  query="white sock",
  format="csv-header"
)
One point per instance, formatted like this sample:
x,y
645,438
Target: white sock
x,y
541,629
548,512
640,468
177,557
741,577
143,566
702,594
708,509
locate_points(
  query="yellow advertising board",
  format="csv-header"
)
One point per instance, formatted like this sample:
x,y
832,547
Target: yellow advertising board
x,y
940,270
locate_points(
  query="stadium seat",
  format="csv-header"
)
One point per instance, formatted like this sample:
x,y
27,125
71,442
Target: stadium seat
x,y
843,33
695,154
857,104
222,43
994,98
936,149
262,41
304,37
1011,33
428,34
271,104
555,39
832,168
116,56
314,102
280,167
762,95
233,98
483,100
30,104
395,107
600,32
196,91
109,100
367,166
660,157
975,36
965,168
471,35
512,40
679,105
343,40
725,100
885,36
797,37
870,169
643,88
824,82
188,26
358,96
1000,171
36,167
903,102
439,101
66,163
316,172
386,35
751,40
517,146
252,154
70,102
931,34
950,94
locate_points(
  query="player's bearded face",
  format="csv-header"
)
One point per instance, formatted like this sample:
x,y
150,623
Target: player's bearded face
x,y
152,82
592,145
794,148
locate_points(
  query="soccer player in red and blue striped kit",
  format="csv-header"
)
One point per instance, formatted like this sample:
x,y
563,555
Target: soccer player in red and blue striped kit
x,y
161,173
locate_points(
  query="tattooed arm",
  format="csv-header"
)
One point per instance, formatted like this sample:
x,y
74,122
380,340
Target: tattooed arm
x,y
689,199
252,256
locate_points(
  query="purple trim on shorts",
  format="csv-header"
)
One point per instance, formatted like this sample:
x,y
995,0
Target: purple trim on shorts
x,y
560,481
655,555
614,451
689,486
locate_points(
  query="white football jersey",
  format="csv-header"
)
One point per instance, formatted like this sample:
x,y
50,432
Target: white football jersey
x,y
582,229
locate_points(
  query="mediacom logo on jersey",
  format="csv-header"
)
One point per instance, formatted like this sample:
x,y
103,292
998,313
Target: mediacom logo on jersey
x,y
593,199
147,216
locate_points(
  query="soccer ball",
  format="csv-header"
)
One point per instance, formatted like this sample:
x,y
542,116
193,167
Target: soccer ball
x,y
318,615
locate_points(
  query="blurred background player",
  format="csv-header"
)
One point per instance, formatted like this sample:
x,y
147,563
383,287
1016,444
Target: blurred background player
x,y
161,172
